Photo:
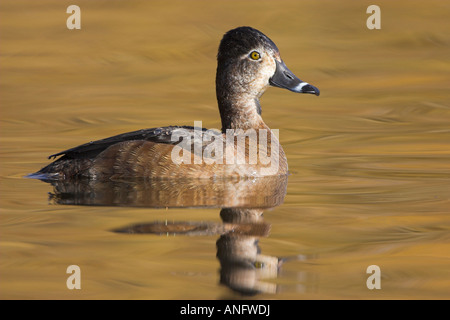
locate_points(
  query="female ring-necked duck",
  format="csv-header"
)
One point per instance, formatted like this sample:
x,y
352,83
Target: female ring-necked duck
x,y
248,63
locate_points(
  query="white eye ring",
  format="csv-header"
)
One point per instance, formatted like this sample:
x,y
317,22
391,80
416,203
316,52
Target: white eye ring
x,y
255,55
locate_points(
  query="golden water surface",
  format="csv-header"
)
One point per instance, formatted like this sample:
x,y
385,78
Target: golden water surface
x,y
369,158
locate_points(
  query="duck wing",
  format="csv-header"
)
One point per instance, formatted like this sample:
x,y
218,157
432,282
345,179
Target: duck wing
x,y
93,148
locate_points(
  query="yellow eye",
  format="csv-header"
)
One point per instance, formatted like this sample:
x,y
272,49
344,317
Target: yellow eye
x,y
255,55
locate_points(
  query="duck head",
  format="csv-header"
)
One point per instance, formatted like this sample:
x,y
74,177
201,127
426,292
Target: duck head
x,y
248,62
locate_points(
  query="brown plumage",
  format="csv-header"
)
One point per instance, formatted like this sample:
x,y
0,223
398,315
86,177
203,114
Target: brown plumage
x,y
248,63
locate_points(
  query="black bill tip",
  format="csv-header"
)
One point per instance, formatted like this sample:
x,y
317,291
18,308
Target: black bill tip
x,y
284,78
307,88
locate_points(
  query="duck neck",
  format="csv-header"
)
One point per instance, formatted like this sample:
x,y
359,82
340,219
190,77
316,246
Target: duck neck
x,y
240,114
239,109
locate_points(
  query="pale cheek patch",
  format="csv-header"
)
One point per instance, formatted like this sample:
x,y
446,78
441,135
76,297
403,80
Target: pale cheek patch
x,y
268,68
260,81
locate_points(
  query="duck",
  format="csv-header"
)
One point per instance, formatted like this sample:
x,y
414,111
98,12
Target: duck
x,y
248,63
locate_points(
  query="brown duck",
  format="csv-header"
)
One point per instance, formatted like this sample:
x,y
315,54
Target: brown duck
x,y
248,62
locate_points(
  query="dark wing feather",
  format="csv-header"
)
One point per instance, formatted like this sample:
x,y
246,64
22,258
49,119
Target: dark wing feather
x,y
93,148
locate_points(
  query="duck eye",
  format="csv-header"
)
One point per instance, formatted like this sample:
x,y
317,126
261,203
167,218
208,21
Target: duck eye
x,y
255,55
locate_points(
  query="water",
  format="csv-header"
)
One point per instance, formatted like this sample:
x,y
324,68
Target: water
x,y
369,158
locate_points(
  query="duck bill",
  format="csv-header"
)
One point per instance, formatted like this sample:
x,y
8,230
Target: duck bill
x,y
284,78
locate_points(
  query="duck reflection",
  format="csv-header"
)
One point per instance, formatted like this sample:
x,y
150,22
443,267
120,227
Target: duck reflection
x,y
264,192
242,202
242,264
